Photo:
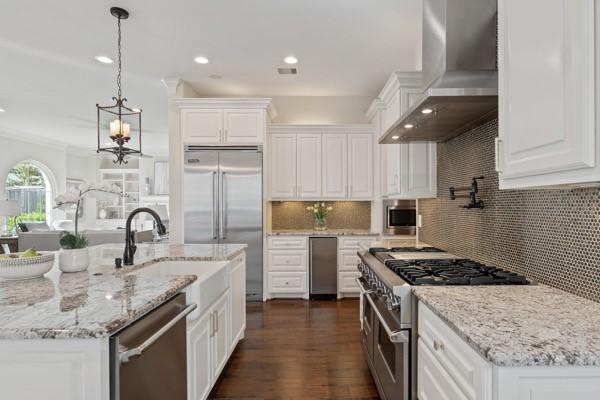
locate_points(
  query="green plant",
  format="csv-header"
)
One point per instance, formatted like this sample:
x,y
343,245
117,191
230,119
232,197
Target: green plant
x,y
26,217
71,241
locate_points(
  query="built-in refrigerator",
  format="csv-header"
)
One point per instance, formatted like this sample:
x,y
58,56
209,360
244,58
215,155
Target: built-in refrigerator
x,y
223,203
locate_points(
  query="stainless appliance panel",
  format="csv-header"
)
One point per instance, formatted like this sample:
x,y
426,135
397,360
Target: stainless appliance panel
x,y
149,359
241,210
323,266
400,217
200,197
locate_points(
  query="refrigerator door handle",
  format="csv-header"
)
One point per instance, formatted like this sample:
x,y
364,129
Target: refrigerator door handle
x,y
213,214
223,211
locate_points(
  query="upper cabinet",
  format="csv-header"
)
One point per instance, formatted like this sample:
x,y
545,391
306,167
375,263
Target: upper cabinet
x,y
408,170
548,133
323,164
224,121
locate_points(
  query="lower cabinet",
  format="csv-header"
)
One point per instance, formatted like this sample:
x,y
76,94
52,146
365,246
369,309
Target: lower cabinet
x,y
237,301
449,369
208,348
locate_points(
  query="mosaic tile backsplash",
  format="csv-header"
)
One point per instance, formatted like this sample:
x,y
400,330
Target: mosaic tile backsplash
x,y
550,235
345,215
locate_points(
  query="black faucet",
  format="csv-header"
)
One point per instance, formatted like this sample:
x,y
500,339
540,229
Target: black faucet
x,y
130,247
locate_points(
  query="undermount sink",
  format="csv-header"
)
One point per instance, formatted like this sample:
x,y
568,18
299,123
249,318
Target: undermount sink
x,y
210,283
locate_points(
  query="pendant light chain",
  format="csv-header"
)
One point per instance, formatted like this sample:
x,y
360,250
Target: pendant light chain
x,y
119,56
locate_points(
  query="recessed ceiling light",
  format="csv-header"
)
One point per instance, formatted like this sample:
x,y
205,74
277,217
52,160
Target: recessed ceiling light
x,y
427,111
104,59
395,137
290,60
2,110
201,60
409,126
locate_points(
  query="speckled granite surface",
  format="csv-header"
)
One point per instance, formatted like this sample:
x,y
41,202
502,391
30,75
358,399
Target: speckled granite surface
x,y
100,301
333,232
520,325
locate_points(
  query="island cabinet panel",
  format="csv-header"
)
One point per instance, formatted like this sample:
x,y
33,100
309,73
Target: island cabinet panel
x,y
66,369
237,300
548,111
199,345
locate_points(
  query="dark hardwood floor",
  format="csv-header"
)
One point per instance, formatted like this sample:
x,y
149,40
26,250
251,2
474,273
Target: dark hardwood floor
x,y
296,349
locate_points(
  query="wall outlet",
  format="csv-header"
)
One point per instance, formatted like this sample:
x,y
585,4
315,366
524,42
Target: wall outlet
x,y
419,221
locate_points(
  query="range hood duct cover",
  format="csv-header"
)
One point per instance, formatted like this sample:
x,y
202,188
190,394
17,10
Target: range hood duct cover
x,y
460,76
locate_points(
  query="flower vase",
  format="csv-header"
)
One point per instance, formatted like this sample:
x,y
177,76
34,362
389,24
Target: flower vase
x,y
320,224
73,260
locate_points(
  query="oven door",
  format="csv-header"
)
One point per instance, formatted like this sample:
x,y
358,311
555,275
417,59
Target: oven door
x,y
391,351
366,318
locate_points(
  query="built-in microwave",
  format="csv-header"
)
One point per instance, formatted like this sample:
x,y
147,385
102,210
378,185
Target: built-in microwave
x,y
400,217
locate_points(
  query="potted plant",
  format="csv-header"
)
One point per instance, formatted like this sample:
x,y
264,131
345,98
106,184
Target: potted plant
x,y
320,211
74,254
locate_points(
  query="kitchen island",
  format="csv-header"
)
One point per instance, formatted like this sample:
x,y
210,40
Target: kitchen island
x,y
55,330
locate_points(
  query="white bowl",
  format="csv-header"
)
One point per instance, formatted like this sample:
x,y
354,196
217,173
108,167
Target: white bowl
x,y
26,267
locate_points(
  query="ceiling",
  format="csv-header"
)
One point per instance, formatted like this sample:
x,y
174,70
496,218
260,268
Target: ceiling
x,y
50,82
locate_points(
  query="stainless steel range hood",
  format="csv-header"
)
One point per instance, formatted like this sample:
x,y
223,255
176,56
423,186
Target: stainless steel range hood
x,y
460,78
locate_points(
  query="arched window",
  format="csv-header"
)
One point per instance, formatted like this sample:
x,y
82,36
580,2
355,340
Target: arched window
x,y
31,184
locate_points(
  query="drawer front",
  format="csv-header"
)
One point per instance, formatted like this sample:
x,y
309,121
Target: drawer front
x,y
347,260
469,371
287,242
287,282
354,242
284,260
433,382
347,283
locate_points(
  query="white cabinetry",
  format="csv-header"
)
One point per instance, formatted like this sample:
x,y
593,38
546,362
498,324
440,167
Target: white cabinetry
x,y
308,160
287,259
347,260
321,165
237,300
409,170
360,166
449,369
548,132
232,121
335,165
282,168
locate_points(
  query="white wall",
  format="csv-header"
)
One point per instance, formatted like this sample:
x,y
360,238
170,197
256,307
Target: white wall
x,y
321,109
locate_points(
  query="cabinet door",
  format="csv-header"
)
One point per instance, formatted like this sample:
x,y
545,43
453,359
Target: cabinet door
x,y
308,156
199,345
283,166
419,170
360,166
202,125
547,105
238,302
244,126
434,383
392,110
392,169
221,337
335,166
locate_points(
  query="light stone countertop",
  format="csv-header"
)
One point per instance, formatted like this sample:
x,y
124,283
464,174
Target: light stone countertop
x,y
102,300
517,326
329,232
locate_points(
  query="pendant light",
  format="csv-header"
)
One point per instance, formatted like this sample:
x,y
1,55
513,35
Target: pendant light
x,y
123,125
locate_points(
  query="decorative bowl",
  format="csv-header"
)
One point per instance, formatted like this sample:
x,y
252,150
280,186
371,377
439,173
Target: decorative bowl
x,y
26,267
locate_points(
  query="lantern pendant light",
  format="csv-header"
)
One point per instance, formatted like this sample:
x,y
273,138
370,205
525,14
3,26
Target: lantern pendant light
x,y
120,117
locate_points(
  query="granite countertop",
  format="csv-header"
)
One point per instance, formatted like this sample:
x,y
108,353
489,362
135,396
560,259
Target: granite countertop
x,y
516,326
100,301
329,232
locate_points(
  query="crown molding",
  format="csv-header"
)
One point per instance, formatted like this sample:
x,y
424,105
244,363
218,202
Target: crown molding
x,y
376,105
228,102
172,84
398,79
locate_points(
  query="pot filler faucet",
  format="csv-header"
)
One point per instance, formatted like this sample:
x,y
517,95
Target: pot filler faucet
x,y
130,247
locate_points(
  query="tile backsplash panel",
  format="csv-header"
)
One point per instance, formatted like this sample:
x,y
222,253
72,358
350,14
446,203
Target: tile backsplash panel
x,y
345,215
550,235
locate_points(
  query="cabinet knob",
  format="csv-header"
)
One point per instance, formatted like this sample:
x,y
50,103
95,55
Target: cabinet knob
x,y
438,345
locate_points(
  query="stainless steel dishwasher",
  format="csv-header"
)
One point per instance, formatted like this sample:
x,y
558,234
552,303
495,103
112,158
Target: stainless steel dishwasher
x,y
323,267
148,359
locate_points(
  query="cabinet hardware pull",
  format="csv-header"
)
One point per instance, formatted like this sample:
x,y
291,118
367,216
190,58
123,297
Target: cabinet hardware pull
x,y
217,321
438,345
497,143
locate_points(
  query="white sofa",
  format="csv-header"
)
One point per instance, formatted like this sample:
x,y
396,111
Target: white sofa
x,y
50,240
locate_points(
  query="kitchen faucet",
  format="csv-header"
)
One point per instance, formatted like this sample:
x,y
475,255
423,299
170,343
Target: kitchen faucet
x,y
130,246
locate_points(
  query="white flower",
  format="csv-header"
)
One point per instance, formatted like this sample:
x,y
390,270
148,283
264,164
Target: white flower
x,y
84,187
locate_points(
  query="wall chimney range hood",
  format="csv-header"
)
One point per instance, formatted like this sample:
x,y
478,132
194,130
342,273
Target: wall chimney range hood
x,y
460,77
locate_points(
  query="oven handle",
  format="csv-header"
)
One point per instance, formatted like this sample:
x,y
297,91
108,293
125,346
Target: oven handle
x,y
395,336
127,355
362,289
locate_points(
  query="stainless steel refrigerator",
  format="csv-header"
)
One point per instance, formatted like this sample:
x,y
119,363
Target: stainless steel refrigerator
x,y
223,203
